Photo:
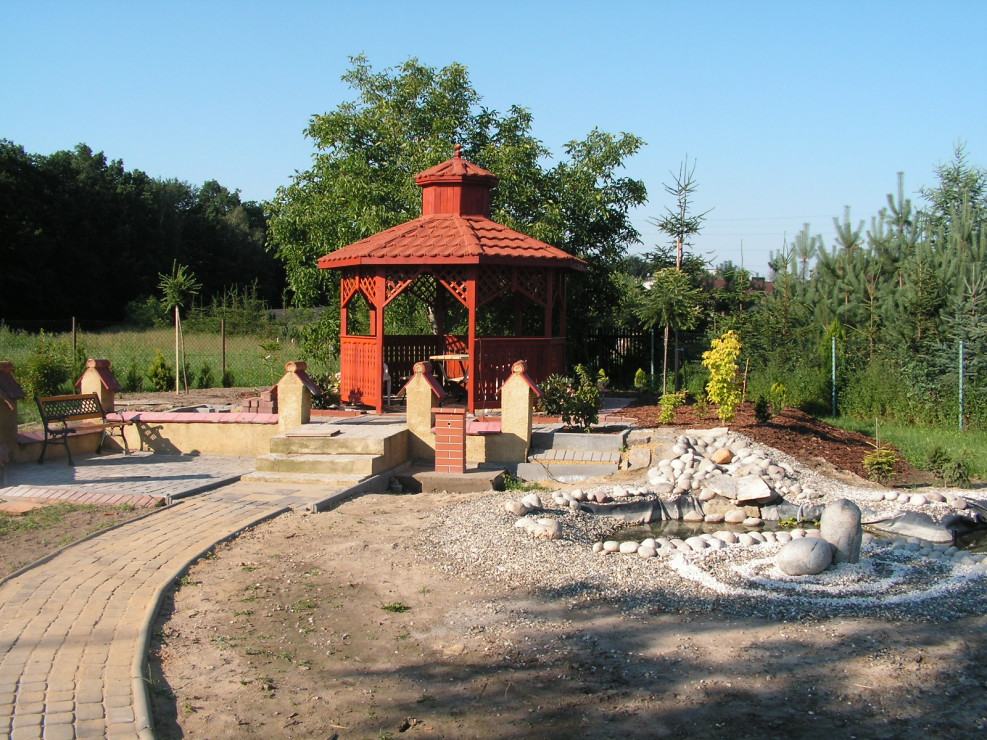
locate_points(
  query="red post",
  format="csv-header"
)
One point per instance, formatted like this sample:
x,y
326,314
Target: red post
x,y
450,440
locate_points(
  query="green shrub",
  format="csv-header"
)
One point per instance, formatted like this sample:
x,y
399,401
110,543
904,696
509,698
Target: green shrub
x,y
641,380
328,383
669,402
161,375
762,410
555,392
577,401
205,377
49,367
228,381
779,397
951,471
879,463
133,379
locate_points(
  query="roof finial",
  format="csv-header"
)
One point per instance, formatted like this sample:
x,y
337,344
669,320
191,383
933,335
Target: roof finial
x,y
459,151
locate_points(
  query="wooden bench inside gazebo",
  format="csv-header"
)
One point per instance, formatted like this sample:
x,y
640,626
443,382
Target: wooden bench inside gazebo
x,y
462,266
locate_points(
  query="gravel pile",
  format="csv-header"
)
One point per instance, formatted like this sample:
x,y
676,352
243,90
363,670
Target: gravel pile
x,y
895,579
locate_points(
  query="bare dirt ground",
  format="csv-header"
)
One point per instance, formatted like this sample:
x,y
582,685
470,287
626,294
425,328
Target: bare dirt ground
x,y
331,626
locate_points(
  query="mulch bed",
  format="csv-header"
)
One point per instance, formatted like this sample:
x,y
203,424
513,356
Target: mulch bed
x,y
807,439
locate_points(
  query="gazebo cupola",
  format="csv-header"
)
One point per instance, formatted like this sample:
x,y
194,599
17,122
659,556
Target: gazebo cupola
x,y
456,187
455,249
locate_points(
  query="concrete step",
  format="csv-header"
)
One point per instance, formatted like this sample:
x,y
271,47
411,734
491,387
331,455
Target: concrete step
x,y
574,456
586,441
326,439
325,465
335,480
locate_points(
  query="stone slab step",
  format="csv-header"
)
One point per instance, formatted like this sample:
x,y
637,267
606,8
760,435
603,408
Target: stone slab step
x,y
321,464
574,456
329,439
546,440
321,479
563,472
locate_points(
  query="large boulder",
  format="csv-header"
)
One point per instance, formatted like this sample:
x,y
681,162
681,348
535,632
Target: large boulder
x,y
751,489
804,557
840,526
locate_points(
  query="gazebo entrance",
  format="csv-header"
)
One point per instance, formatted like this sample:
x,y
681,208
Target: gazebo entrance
x,y
454,254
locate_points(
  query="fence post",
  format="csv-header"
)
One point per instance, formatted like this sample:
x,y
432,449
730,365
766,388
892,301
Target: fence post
x,y
222,333
961,385
834,376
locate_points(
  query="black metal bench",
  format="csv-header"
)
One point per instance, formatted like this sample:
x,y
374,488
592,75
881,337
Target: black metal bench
x,y
74,414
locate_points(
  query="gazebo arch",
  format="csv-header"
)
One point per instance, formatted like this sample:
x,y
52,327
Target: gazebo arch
x,y
453,252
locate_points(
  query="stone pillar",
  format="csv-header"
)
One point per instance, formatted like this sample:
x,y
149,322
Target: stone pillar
x,y
10,393
450,440
295,391
99,379
517,404
423,393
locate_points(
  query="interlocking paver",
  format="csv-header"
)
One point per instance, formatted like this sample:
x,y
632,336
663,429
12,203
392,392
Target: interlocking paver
x,y
71,629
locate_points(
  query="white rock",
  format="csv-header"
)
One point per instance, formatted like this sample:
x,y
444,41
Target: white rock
x,y
647,552
597,547
746,539
517,508
804,557
618,492
713,518
759,536
533,500
697,544
628,548
611,546
890,496
753,521
783,537
797,533
918,499
729,538
734,516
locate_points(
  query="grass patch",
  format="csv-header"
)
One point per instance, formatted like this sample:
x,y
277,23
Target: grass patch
x,y
915,443
39,519
513,483
396,607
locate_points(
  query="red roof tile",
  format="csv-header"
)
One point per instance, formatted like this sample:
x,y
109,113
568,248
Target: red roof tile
x,y
449,239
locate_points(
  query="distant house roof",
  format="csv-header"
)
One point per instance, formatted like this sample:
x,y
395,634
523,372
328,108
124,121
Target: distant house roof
x,y
455,228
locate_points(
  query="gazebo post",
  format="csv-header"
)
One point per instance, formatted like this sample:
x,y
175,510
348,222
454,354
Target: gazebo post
x,y
471,348
380,288
550,301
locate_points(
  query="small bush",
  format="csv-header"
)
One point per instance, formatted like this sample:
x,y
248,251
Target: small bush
x,y
762,410
133,379
228,380
879,463
328,383
951,471
779,397
577,401
641,380
49,367
669,402
205,378
161,375
724,388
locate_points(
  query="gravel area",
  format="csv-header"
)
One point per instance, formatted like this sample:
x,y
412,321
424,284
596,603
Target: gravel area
x,y
896,579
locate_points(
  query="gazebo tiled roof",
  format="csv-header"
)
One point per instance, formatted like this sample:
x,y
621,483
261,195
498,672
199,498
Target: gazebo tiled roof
x,y
455,228
450,239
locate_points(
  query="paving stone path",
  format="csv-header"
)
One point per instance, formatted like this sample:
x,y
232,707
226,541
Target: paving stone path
x,y
74,629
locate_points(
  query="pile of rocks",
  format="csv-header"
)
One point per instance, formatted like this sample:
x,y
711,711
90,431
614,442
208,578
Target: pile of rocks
x,y
733,480
547,529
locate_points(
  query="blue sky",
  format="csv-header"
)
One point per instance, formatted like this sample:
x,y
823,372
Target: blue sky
x,y
790,110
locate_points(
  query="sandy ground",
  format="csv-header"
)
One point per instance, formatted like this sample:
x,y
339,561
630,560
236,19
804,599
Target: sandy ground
x,y
296,629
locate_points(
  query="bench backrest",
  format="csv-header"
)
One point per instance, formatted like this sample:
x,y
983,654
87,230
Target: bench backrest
x,y
78,407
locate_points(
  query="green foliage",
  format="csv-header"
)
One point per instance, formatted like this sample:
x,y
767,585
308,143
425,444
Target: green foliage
x,y
762,410
951,471
406,119
576,400
161,375
328,383
228,380
669,402
641,380
205,377
513,483
48,371
724,387
133,379
147,312
879,463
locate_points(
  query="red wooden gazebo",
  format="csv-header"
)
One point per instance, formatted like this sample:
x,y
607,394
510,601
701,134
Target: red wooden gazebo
x,y
453,249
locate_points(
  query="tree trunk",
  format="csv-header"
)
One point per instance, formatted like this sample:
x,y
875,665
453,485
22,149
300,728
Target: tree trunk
x,y
177,366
